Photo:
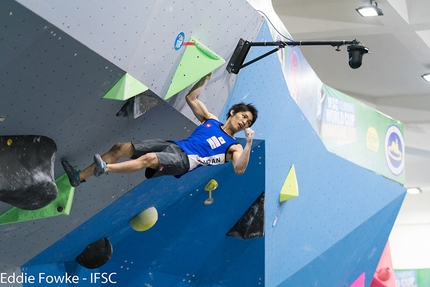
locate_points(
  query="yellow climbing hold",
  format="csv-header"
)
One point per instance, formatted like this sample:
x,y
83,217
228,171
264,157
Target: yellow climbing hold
x,y
211,185
290,189
144,220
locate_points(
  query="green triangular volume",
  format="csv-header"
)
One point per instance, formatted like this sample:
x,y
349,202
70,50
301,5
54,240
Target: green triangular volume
x,y
290,189
196,62
61,205
127,87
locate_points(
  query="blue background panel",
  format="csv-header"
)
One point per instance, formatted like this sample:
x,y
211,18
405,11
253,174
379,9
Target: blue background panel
x,y
336,198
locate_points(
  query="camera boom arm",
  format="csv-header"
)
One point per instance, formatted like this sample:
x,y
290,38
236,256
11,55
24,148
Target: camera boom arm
x,y
243,47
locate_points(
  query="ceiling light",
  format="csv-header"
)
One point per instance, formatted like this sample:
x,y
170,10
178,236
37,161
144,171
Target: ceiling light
x,y
370,11
413,190
426,77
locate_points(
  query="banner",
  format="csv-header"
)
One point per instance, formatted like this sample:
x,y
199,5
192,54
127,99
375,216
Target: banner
x,y
412,278
406,278
361,134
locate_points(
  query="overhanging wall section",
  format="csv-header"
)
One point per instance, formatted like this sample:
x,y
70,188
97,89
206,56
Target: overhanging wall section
x,y
140,36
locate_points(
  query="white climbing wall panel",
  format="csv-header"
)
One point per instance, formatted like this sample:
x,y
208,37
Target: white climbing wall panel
x,y
139,36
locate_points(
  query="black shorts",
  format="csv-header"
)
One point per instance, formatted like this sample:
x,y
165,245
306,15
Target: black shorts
x,y
173,160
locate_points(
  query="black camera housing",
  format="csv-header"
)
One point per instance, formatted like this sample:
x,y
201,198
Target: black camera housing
x,y
355,54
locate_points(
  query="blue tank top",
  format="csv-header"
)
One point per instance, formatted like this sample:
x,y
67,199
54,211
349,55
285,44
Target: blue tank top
x,y
207,145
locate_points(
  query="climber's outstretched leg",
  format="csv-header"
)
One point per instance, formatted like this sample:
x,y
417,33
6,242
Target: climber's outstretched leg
x,y
147,160
118,151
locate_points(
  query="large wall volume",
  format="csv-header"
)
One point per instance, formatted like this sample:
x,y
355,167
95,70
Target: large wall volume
x,y
330,235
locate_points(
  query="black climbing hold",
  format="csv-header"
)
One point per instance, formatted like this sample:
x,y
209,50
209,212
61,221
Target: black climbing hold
x,y
251,224
96,254
27,171
138,105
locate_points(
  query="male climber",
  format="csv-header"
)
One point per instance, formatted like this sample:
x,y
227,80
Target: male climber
x,y
211,143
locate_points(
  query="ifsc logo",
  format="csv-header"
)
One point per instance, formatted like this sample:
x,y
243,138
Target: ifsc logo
x,y
179,41
394,150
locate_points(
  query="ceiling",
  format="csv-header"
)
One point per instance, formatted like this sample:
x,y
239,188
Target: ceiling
x,y
388,80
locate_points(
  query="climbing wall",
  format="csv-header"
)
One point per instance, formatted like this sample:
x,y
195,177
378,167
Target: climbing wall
x,y
60,59
188,238
142,37
53,85
337,228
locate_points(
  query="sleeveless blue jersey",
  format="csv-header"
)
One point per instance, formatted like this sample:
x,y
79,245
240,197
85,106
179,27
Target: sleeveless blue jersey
x,y
207,145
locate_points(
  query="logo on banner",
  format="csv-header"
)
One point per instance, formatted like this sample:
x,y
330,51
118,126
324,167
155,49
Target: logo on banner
x,y
394,150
